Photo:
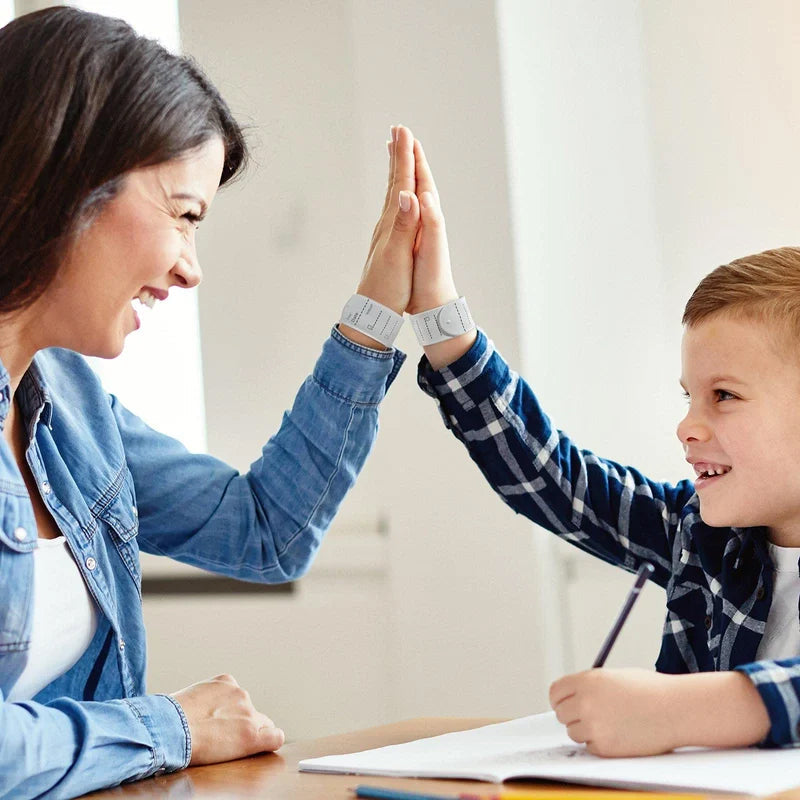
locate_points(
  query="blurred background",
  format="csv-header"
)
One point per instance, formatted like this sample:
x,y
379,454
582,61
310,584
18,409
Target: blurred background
x,y
595,160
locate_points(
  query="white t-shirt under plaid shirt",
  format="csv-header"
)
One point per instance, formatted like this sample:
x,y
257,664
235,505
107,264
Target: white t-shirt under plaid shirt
x,y
782,635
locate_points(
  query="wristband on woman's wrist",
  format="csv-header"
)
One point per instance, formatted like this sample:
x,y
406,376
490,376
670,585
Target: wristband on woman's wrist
x,y
371,318
443,323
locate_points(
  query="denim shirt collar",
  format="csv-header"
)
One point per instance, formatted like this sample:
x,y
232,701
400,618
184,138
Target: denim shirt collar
x,y
34,397
5,395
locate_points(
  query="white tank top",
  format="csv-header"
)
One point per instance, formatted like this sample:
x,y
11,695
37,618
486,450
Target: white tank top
x,y
782,634
64,618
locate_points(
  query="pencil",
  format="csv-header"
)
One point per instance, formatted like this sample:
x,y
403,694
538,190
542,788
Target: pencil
x,y
645,571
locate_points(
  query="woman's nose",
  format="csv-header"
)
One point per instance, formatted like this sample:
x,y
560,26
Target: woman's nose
x,y
187,273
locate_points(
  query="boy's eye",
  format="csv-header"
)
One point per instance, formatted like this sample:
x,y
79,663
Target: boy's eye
x,y
719,394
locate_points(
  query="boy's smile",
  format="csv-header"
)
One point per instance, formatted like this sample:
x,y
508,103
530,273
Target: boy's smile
x,y
742,430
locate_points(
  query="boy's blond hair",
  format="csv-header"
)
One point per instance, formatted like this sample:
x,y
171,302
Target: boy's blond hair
x,y
763,287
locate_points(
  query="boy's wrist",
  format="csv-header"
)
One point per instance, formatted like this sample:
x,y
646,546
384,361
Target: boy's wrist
x,y
718,709
445,353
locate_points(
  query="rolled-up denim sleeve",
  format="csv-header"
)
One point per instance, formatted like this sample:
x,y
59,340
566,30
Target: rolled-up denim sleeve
x,y
265,525
66,748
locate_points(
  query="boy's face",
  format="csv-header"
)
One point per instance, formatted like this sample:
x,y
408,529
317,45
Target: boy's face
x,y
744,421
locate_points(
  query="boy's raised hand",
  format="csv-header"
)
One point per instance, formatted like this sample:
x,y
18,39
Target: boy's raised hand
x,y
433,283
636,712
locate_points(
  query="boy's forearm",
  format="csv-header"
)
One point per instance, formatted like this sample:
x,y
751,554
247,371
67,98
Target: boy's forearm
x,y
719,709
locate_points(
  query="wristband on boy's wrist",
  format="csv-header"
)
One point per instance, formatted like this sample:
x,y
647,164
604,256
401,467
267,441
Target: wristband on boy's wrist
x,y
442,323
371,318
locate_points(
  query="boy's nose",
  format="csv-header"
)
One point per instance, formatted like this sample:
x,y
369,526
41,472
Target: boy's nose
x,y
690,428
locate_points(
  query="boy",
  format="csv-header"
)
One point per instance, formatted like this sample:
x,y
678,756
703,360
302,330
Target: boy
x,y
725,547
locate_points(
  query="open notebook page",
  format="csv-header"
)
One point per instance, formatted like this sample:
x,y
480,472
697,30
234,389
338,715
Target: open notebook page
x,y
538,747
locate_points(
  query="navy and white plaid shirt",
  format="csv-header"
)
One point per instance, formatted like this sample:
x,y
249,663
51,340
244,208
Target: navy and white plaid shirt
x,y
718,580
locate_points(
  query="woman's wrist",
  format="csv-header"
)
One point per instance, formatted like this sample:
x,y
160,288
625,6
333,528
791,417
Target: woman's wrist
x,y
360,338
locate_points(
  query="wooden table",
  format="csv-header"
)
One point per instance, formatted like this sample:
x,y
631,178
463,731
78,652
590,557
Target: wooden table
x,y
275,776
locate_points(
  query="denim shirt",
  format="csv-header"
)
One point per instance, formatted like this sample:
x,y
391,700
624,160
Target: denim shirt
x,y
115,486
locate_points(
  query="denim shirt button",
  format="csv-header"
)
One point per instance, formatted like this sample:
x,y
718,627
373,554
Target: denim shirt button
x,y
20,534
121,644
46,487
135,511
90,563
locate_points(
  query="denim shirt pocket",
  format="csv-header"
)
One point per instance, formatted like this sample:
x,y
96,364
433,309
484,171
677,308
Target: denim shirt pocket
x,y
16,585
121,518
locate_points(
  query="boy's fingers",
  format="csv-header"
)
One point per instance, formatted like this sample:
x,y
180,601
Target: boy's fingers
x,y
431,250
424,176
432,217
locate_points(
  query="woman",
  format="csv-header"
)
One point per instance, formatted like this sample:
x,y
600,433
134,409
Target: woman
x,y
111,152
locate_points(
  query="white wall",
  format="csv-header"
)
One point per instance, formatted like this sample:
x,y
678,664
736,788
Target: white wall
x,y
724,101
589,268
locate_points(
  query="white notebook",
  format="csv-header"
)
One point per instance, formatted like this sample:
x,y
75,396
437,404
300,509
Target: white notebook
x,y
538,747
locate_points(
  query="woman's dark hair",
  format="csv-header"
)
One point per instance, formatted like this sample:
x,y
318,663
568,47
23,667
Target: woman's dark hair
x,y
83,100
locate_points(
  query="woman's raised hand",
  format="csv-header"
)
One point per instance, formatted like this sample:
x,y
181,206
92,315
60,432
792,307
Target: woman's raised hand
x,y
387,273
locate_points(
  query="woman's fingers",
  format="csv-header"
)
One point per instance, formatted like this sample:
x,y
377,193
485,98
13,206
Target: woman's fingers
x,y
402,170
270,738
404,178
387,275
390,177
404,227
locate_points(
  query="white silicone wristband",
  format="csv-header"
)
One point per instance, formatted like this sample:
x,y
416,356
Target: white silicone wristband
x,y
442,323
372,318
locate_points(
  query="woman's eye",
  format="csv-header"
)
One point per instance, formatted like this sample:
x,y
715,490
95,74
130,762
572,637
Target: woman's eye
x,y
723,395
194,219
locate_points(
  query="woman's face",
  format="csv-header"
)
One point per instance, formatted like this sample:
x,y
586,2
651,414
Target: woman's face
x,y
143,241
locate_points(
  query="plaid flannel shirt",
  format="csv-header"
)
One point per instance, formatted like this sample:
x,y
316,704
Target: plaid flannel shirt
x,y
718,580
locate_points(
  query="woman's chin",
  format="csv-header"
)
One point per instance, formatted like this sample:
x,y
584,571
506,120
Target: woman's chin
x,y
109,348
